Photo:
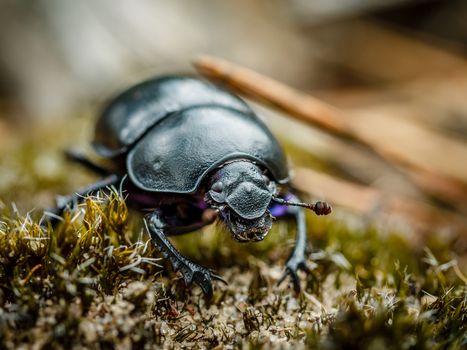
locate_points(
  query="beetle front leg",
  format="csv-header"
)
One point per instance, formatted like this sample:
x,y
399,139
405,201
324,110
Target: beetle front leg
x,y
191,272
296,260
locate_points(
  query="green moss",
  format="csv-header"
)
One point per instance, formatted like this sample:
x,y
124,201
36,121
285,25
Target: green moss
x,y
95,280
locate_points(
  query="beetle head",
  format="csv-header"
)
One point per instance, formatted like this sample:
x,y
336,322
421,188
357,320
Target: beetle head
x,y
242,194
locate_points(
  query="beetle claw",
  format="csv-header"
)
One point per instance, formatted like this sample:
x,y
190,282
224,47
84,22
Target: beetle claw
x,y
202,276
295,280
217,277
291,270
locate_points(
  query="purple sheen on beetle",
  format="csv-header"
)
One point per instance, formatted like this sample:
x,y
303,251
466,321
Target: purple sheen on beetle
x,y
278,210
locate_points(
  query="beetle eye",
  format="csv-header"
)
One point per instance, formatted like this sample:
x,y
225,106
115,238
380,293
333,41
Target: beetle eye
x,y
217,187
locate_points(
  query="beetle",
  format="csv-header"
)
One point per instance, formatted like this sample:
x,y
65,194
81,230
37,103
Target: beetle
x,y
193,152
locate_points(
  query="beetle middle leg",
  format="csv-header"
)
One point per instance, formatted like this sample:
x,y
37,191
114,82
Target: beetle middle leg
x,y
159,230
79,157
67,201
62,202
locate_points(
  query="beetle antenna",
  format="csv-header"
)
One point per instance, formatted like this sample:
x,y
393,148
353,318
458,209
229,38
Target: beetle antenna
x,y
320,208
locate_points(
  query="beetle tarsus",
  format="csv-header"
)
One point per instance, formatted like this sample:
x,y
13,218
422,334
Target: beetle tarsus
x,y
291,268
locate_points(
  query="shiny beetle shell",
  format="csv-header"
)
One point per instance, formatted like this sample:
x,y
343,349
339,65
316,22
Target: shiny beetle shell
x,y
127,117
172,139
177,153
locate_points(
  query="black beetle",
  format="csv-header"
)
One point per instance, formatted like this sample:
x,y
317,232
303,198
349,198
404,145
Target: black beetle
x,y
194,151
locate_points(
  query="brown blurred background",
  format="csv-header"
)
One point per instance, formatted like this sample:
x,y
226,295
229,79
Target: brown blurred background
x,y
398,67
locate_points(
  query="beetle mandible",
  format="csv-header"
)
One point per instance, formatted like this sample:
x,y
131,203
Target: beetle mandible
x,y
195,152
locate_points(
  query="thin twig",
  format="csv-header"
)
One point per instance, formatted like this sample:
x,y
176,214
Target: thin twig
x,y
319,114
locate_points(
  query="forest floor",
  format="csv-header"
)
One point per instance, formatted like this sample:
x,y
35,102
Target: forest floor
x,y
97,281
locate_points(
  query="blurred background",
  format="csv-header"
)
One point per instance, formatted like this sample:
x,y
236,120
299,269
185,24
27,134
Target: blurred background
x,y
396,68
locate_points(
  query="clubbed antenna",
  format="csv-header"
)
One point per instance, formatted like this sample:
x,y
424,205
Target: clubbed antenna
x,y
320,208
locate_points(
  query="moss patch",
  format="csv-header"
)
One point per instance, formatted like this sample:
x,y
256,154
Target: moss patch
x,y
95,280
